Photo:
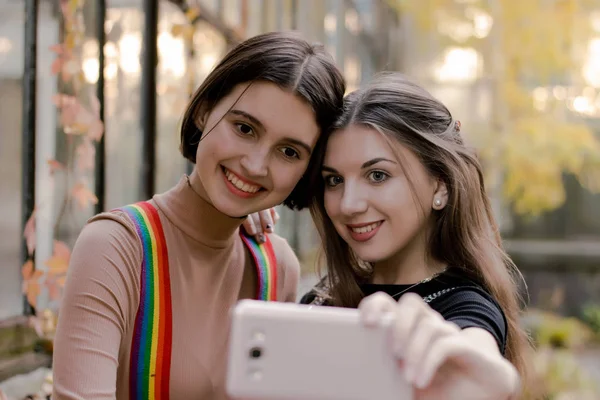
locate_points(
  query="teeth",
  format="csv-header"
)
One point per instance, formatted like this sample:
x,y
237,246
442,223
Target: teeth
x,y
244,187
365,229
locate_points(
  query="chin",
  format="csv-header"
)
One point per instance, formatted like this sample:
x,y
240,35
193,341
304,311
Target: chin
x,y
232,209
371,255
243,208
369,258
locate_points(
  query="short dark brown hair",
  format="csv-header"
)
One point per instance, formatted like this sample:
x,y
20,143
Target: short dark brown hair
x,y
290,62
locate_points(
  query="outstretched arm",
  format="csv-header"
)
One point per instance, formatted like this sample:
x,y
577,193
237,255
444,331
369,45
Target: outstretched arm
x,y
438,358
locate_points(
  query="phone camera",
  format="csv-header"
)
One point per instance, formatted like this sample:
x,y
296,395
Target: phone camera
x,y
255,352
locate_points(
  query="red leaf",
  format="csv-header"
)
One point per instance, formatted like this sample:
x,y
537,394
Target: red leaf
x,y
54,291
83,195
76,119
61,281
27,270
31,286
62,250
57,48
59,262
56,66
96,130
32,292
55,166
29,233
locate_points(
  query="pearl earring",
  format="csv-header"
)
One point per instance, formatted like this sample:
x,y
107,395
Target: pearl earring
x,y
437,202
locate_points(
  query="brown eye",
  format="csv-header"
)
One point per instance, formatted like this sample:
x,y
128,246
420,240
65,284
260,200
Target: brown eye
x,y
244,129
290,152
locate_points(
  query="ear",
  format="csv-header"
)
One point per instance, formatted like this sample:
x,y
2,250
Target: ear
x,y
440,195
201,119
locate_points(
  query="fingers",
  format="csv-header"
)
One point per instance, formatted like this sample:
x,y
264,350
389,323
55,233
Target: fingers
x,y
259,223
274,215
373,307
425,338
423,335
266,221
441,350
409,311
251,224
418,338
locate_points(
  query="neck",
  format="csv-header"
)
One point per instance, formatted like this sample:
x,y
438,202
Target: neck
x,y
408,266
188,207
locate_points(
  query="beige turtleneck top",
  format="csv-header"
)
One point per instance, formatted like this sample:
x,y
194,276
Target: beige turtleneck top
x,y
210,271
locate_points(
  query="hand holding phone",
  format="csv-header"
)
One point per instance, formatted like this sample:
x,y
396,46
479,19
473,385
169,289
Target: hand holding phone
x,y
288,351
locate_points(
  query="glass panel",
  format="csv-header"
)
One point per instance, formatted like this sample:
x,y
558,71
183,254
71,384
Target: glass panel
x,y
173,88
209,47
10,189
11,70
122,102
12,20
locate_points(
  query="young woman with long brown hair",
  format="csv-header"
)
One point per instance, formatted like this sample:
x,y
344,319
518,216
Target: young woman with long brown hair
x,y
407,228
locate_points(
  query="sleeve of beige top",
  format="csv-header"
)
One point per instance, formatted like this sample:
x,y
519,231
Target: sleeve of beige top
x,y
288,268
100,295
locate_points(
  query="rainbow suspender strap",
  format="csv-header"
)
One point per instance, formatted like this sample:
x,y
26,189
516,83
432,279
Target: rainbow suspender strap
x,y
150,359
266,266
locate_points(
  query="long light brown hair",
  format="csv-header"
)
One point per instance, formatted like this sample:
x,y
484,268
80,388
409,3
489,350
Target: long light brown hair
x,y
464,235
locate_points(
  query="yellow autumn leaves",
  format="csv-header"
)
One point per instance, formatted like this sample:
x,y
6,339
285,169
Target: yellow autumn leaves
x,y
538,44
537,152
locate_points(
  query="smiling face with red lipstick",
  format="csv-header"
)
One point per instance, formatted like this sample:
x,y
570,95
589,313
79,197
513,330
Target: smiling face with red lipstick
x,y
259,143
375,189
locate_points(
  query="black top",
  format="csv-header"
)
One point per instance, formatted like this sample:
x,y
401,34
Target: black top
x,y
456,298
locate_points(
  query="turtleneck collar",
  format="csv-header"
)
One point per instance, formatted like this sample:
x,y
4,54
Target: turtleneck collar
x,y
196,217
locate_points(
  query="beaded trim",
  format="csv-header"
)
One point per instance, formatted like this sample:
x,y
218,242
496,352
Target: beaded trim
x,y
320,300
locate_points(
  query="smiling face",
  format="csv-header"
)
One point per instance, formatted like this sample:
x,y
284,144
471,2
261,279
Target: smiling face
x,y
256,146
378,194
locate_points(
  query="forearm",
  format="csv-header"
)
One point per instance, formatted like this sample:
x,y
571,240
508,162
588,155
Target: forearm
x,y
505,372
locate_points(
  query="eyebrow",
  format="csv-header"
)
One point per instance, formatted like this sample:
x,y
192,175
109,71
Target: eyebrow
x,y
260,126
249,117
365,165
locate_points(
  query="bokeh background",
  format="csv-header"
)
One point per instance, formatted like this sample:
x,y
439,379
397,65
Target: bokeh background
x,y
83,131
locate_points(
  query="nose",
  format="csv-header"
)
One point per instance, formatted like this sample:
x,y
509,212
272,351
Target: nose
x,y
353,201
255,163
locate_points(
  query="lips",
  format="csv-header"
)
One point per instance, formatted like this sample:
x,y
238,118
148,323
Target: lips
x,y
364,232
240,186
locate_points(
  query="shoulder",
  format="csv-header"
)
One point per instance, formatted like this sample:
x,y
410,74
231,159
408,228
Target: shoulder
x,y
288,266
121,223
473,307
111,227
104,269
108,242
286,258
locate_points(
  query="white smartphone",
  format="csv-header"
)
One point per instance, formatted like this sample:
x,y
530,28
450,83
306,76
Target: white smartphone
x,y
286,351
